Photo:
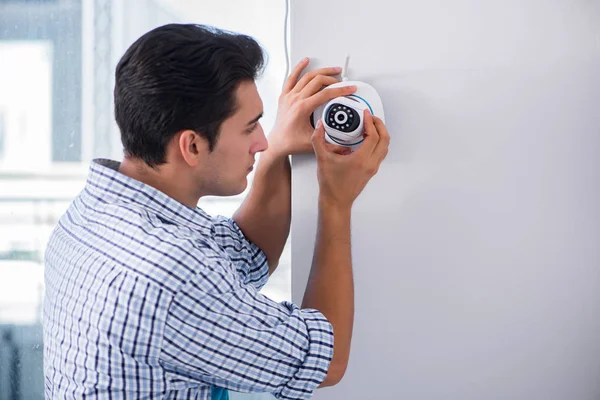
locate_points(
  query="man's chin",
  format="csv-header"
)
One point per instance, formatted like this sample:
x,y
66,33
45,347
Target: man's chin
x,y
234,191
241,189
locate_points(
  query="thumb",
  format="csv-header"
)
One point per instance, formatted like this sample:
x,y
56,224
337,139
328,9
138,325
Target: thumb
x,y
318,138
321,145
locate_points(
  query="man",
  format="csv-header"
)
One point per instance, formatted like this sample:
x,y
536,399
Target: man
x,y
149,297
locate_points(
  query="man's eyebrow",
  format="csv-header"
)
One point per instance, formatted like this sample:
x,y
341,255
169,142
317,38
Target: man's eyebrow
x,y
255,119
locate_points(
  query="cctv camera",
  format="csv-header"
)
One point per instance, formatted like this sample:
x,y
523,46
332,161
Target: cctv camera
x,y
343,117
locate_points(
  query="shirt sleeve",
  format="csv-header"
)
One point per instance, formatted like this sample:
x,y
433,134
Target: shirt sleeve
x,y
224,333
248,259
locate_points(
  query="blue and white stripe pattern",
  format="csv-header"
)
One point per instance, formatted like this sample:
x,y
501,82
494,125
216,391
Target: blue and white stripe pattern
x,y
147,298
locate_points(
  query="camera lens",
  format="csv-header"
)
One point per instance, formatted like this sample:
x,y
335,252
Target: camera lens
x,y
342,118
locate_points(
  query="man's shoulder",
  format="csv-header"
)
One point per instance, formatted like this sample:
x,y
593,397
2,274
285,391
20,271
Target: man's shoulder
x,y
138,241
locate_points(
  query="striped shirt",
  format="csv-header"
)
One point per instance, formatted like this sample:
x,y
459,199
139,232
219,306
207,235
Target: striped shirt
x,y
147,298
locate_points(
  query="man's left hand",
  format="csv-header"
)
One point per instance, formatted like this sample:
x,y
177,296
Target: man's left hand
x,y
300,97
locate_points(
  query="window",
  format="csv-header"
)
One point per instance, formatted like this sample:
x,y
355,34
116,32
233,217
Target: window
x,y
57,61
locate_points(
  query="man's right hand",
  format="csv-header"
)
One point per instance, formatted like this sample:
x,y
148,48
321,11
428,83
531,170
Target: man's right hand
x,y
343,174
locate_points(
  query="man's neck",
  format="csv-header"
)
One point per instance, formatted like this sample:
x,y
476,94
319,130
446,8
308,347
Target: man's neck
x,y
161,178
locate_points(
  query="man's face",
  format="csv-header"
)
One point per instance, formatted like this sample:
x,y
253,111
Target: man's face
x,y
241,137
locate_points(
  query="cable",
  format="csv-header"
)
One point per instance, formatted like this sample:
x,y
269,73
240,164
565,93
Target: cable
x,y
285,40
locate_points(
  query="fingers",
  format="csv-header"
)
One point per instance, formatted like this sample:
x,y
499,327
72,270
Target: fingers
x,y
316,85
311,75
371,136
294,76
383,144
322,147
375,146
327,94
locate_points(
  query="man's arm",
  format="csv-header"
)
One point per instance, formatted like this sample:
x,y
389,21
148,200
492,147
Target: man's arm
x,y
265,213
342,177
330,287
224,334
264,216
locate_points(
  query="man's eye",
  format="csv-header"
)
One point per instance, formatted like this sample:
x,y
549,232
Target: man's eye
x,y
252,128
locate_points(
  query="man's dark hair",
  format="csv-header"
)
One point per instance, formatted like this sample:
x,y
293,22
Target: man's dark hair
x,y
178,77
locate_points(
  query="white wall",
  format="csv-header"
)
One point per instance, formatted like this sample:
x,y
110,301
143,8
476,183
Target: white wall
x,y
475,248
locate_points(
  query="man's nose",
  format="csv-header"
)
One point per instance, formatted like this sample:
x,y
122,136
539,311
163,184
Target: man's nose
x,y
262,143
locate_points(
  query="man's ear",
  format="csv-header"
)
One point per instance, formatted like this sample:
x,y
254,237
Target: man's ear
x,y
192,146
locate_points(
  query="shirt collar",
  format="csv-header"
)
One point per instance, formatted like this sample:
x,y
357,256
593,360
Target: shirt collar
x,y
106,182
